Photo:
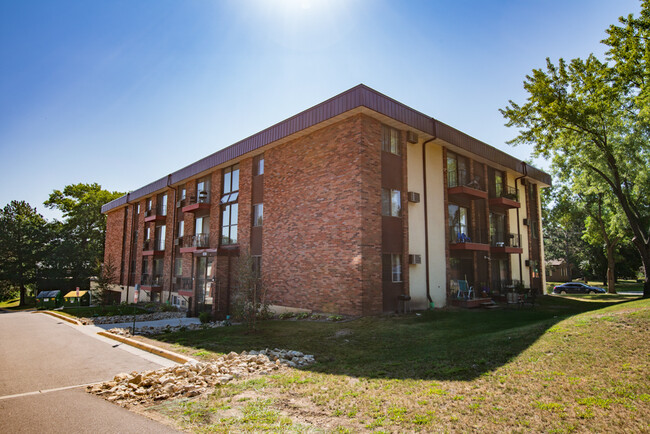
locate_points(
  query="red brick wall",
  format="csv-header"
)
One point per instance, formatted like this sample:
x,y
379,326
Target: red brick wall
x,y
114,238
315,211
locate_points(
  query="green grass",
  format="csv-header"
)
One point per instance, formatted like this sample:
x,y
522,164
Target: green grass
x,y
564,364
13,304
89,312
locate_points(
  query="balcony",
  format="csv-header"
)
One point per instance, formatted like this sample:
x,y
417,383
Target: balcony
x,y
156,215
197,203
506,198
183,285
151,282
462,242
153,248
505,243
459,185
192,243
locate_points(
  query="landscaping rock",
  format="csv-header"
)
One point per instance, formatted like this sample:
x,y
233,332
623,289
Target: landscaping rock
x,y
194,378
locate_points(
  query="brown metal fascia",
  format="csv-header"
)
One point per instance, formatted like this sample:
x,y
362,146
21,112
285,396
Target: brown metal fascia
x,y
426,211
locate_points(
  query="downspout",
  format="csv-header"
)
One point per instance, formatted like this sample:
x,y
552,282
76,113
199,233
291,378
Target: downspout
x,y
525,173
129,271
173,228
426,211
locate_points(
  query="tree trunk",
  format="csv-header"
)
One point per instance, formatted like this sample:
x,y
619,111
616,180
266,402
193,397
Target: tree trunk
x,y
611,264
23,292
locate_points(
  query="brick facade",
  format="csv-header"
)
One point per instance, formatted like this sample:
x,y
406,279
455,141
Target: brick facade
x,y
323,235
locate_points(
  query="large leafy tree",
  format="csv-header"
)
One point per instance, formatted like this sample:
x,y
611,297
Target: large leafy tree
x,y
24,236
79,241
593,119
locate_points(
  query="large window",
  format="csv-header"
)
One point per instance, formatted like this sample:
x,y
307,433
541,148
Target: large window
x,y
498,183
258,214
390,140
258,165
160,237
229,206
391,203
458,171
396,267
161,204
178,266
458,229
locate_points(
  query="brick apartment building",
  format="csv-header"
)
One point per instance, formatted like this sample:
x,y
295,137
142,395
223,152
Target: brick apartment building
x,y
347,207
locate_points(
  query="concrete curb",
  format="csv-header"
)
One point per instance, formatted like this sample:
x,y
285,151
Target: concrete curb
x,y
63,317
149,348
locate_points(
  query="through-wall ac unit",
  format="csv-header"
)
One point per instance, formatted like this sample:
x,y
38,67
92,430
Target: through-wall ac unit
x,y
411,137
525,222
413,197
527,262
415,259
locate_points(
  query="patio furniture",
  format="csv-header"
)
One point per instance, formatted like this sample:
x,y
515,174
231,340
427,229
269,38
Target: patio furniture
x,y
465,292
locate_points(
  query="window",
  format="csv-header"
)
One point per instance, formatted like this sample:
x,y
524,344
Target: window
x,y
229,206
147,236
534,266
137,209
396,267
201,230
157,270
457,170
391,202
178,266
258,214
160,237
183,193
145,265
162,204
390,140
258,165
229,224
458,223
203,190
498,183
149,204
181,228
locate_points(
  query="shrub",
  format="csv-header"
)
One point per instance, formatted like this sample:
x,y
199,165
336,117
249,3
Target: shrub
x,y
204,317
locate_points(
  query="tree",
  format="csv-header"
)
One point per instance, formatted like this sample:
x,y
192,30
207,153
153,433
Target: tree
x,y
79,240
106,278
249,297
23,241
593,120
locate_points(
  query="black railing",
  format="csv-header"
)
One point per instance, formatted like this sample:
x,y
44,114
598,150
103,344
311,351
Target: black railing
x,y
200,197
479,236
461,178
151,280
505,285
183,283
506,192
501,239
198,240
153,245
161,210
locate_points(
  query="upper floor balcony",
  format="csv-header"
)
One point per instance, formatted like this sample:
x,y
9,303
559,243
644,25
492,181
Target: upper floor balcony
x,y
184,286
196,203
151,282
478,241
153,247
192,243
459,184
156,214
504,197
505,243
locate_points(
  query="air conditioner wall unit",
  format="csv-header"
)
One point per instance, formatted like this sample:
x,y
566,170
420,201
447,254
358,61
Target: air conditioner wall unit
x,y
415,259
411,137
525,222
413,197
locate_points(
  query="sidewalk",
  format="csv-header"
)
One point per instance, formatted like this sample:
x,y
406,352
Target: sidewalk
x,y
157,323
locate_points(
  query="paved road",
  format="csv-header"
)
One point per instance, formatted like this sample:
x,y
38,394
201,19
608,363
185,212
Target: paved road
x,y
44,362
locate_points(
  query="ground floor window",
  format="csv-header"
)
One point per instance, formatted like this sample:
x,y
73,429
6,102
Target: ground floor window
x,y
396,267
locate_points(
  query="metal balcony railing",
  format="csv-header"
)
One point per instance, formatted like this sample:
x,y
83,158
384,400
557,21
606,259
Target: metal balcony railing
x,y
198,240
151,280
501,239
504,285
506,192
461,178
479,236
183,283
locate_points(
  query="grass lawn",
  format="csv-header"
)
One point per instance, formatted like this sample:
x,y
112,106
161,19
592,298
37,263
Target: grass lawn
x,y
13,304
89,312
569,364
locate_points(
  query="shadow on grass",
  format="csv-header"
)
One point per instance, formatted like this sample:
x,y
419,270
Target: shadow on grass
x,y
439,344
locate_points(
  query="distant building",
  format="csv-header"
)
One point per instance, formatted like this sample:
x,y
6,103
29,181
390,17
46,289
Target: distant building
x,y
558,270
347,207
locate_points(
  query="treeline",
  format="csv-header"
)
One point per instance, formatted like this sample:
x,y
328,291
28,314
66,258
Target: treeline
x,y
37,254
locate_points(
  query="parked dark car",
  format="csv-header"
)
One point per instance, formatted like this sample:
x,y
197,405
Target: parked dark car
x,y
577,288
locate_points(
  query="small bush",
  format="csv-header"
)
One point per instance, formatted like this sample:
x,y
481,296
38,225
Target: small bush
x,y
204,317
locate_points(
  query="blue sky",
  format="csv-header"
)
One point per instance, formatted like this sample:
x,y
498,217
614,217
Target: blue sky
x,y
125,92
